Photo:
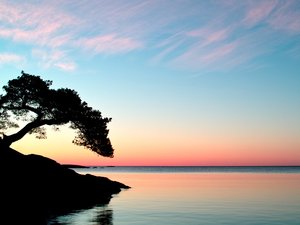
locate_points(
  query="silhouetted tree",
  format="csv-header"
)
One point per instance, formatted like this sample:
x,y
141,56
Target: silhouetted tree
x,y
29,98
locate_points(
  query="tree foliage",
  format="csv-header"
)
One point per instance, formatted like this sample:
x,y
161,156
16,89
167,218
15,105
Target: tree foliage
x,y
29,98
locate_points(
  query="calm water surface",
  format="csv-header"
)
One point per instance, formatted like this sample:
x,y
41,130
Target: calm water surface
x,y
196,195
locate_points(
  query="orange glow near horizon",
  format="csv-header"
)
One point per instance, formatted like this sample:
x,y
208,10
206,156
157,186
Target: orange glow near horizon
x,y
60,148
165,152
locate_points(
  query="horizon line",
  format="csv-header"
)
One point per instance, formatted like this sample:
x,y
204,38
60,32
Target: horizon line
x,y
180,165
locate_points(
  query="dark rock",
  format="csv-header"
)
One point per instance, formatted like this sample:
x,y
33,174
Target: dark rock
x,y
35,188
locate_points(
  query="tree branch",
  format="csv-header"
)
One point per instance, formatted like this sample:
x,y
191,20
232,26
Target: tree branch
x,y
26,107
8,140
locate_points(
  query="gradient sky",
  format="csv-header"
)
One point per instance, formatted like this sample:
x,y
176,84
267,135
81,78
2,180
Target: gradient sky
x,y
185,82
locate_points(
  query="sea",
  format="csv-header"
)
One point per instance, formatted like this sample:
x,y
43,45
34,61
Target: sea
x,y
195,196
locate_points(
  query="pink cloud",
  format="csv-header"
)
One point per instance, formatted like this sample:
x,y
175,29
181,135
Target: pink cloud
x,y
5,33
286,18
259,11
218,56
161,55
208,36
36,24
217,36
27,15
51,30
39,36
184,32
9,13
54,58
219,53
279,15
109,44
10,58
66,66
210,45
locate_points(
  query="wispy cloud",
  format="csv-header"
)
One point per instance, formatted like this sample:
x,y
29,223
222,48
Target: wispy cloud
x,y
209,36
231,37
35,24
50,31
41,26
286,17
214,57
66,66
109,44
219,53
39,37
188,33
259,11
10,58
54,58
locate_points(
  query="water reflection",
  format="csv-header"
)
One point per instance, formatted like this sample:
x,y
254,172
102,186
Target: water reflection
x,y
104,217
99,215
198,198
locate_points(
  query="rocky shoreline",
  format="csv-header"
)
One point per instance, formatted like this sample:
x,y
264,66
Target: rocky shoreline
x,y
35,188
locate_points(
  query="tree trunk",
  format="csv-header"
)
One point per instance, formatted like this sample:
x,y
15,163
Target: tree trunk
x,y
7,140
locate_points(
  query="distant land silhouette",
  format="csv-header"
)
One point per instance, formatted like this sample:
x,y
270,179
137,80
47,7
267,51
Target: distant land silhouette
x,y
74,166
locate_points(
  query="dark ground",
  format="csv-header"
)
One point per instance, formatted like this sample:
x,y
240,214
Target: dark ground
x,y
35,188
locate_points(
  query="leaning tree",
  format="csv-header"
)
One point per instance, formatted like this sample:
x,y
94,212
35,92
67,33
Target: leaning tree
x,y
29,99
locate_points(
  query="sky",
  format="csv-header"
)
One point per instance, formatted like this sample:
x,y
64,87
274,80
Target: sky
x,y
186,82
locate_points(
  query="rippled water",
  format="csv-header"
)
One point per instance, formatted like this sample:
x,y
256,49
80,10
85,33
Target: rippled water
x,y
195,195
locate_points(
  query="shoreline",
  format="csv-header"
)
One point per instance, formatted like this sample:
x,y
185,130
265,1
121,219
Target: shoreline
x,y
37,188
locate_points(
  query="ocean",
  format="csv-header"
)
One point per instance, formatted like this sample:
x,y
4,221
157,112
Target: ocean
x,y
195,196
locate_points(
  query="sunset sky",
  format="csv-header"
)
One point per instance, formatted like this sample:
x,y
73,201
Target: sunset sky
x,y
186,82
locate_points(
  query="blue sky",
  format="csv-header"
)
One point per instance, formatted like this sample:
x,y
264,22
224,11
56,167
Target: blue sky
x,y
209,77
